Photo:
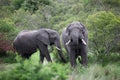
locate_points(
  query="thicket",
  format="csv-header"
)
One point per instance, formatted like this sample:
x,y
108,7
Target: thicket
x,y
32,70
7,34
104,32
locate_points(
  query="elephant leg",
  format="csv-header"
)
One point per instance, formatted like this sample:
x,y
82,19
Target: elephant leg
x,y
45,52
61,56
84,58
47,55
41,57
72,58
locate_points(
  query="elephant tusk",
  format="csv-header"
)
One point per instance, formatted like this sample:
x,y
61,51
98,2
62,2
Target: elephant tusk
x,y
84,42
68,42
58,48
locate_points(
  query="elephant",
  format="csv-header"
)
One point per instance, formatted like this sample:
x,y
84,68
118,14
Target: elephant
x,y
75,40
28,41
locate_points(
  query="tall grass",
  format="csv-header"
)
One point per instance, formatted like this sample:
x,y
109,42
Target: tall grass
x,y
33,70
97,72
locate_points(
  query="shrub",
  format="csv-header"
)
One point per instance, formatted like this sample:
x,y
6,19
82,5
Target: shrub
x,y
8,57
113,2
6,25
103,31
108,59
5,45
33,5
32,70
7,33
16,4
96,72
28,21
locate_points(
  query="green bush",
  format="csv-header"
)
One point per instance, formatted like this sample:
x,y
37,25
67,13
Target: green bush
x,y
6,25
9,57
16,4
33,5
30,22
103,31
7,34
113,2
108,59
33,70
97,72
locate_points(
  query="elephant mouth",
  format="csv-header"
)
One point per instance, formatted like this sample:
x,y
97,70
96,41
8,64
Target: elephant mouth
x,y
69,41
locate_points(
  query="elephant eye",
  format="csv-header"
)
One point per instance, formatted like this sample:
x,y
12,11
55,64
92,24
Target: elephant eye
x,y
83,32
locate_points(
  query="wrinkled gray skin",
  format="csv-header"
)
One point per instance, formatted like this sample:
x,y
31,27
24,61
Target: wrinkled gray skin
x,y
75,39
27,42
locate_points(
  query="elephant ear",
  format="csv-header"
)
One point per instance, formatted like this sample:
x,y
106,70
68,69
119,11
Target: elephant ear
x,y
44,38
84,29
85,32
68,30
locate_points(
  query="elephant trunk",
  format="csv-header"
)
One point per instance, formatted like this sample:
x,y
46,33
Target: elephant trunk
x,y
58,47
75,38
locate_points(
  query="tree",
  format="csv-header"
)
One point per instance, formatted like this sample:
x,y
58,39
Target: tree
x,y
16,4
7,32
33,5
104,31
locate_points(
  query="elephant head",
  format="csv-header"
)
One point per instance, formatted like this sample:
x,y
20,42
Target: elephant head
x,y
51,37
27,42
77,34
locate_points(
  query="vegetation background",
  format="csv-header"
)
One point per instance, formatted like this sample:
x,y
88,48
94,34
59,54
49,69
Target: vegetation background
x,y
101,17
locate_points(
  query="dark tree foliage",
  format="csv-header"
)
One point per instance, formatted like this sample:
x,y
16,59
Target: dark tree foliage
x,y
33,5
5,45
16,4
4,2
7,31
104,32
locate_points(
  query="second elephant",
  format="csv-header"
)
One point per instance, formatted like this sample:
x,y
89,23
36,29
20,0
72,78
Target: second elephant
x,y
75,39
27,42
